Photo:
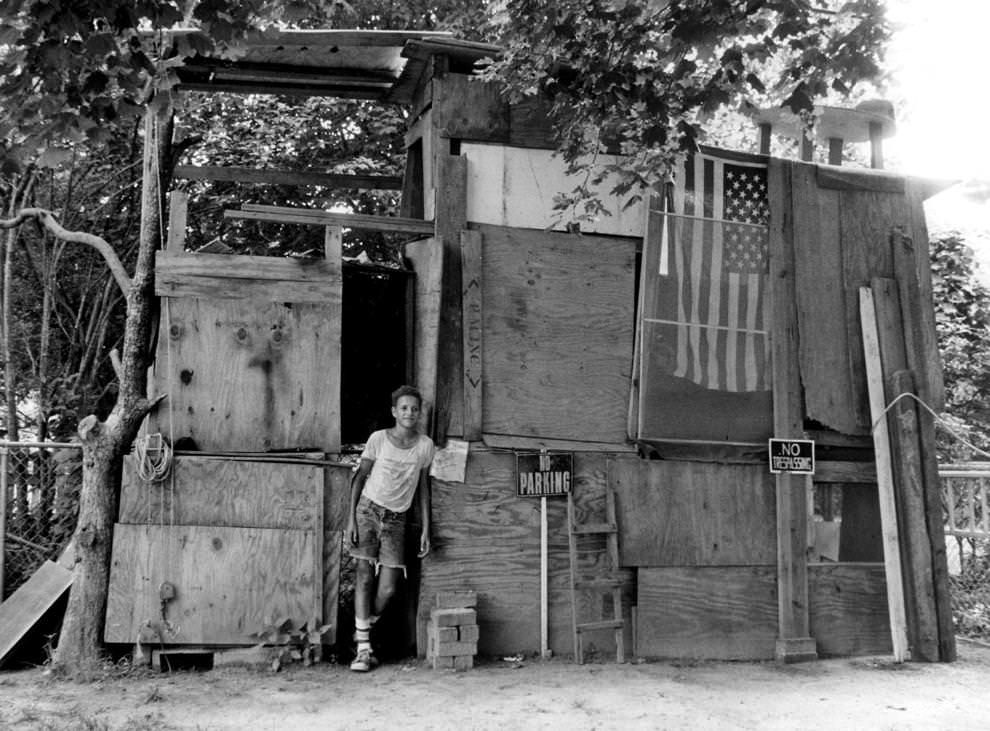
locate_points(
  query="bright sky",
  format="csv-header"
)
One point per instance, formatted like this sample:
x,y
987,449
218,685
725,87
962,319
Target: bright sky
x,y
938,60
939,55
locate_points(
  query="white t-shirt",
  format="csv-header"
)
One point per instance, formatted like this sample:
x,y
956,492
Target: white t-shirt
x,y
395,474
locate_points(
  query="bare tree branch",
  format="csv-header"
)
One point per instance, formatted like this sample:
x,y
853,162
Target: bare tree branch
x,y
46,219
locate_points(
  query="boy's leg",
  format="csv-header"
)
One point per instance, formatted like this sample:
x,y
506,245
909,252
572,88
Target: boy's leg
x,y
388,579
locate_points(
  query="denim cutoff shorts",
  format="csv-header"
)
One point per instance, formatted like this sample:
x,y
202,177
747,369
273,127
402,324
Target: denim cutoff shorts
x,y
381,535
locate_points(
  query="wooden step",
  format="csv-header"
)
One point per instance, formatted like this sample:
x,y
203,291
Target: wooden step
x,y
602,624
593,529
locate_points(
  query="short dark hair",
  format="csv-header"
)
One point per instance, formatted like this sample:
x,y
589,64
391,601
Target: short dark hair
x,y
407,391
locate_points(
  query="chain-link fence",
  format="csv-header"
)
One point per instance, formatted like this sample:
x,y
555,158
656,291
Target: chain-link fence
x,y
965,498
39,501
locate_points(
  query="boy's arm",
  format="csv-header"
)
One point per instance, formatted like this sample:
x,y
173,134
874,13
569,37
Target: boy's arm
x,y
358,479
424,509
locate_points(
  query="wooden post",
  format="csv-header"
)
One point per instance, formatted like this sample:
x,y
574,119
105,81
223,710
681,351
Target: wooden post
x,y
766,130
885,476
807,147
544,582
333,243
876,145
3,513
473,333
794,641
834,151
177,212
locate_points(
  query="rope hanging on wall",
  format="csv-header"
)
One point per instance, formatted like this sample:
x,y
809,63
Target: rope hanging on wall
x,y
154,457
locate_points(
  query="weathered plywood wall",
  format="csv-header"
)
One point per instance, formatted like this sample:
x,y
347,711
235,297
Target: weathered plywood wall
x,y
848,609
844,236
487,539
694,513
225,492
712,613
249,352
558,323
230,582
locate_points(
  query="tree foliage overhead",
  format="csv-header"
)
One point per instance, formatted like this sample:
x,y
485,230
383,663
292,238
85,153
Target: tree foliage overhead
x,y
641,78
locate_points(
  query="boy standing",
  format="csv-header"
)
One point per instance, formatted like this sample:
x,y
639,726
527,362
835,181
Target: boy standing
x,y
395,464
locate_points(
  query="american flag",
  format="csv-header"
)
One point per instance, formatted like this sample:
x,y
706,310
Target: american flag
x,y
713,249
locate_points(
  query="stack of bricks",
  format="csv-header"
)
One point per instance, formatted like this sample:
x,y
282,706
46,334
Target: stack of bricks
x,y
452,634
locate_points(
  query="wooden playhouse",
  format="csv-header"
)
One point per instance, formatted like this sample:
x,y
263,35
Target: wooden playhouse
x,y
641,366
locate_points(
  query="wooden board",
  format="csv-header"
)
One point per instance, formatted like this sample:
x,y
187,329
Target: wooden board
x,y
426,258
272,279
693,513
558,314
465,108
821,302
848,609
332,551
225,492
230,582
26,606
473,333
710,613
249,376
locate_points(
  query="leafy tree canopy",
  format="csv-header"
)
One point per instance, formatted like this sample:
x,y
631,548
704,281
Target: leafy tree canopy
x,y
641,77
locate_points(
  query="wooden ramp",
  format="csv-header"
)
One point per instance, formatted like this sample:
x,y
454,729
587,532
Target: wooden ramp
x,y
26,606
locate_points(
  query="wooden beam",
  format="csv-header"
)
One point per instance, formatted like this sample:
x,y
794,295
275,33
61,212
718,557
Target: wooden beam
x,y
794,642
287,177
177,212
885,476
473,333
831,472
307,217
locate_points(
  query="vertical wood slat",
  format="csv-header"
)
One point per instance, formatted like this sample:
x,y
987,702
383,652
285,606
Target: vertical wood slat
x,y
450,219
427,258
885,477
473,333
177,213
793,641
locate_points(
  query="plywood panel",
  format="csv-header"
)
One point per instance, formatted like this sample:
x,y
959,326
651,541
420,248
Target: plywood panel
x,y
230,582
848,609
487,539
821,303
249,376
694,513
558,314
509,186
23,609
225,492
712,613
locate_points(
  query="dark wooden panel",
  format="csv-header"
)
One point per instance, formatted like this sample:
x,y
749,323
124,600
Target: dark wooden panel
x,y
558,314
694,513
225,492
712,613
848,608
529,125
249,376
824,351
469,109
230,582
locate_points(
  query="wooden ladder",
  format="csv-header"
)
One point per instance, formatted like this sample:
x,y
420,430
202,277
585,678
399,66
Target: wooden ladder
x,y
597,583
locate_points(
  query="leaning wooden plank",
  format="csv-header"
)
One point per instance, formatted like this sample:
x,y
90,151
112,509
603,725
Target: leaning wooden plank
x,y
885,476
303,216
287,177
26,606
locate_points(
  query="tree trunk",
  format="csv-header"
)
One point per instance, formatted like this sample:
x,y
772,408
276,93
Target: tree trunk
x,y
79,649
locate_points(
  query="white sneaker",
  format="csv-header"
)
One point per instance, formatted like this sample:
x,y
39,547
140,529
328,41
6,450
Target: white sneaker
x,y
364,661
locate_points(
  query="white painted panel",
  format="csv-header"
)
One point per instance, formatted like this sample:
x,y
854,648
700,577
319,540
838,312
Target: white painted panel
x,y
511,186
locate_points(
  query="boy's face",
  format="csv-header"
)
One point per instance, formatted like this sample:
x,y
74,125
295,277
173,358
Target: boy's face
x,y
406,411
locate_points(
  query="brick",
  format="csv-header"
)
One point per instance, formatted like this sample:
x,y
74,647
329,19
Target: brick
x,y
456,599
449,649
463,662
448,634
453,617
442,663
468,633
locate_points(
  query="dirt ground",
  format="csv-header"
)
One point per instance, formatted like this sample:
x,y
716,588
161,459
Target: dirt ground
x,y
861,693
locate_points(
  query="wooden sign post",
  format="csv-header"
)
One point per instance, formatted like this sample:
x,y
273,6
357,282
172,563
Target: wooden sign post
x,y
544,475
